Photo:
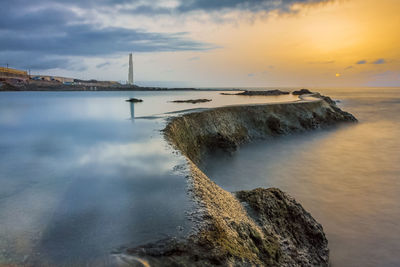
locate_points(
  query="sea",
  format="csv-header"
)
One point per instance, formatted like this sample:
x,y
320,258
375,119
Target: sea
x,y
84,175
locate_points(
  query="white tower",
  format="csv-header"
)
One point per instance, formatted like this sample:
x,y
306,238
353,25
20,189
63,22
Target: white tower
x,y
130,75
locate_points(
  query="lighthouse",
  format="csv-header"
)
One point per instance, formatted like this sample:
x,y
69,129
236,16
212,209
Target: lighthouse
x,y
130,75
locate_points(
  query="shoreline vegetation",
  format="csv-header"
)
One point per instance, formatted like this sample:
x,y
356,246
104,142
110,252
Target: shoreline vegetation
x,y
256,227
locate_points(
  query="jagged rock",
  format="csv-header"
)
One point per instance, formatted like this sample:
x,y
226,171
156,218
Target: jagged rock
x,y
300,236
225,128
302,92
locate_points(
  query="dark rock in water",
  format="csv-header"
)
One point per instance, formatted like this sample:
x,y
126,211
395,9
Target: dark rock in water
x,y
263,93
228,94
192,101
134,100
302,92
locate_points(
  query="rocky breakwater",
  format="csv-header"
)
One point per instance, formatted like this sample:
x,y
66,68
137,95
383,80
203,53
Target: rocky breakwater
x,y
261,227
225,128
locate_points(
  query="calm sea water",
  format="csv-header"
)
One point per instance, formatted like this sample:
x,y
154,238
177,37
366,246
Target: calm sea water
x,y
348,177
84,173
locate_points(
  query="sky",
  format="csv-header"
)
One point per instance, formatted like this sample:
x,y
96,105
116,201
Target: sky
x,y
207,43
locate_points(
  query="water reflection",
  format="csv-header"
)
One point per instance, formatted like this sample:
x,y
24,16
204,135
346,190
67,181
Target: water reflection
x,y
132,107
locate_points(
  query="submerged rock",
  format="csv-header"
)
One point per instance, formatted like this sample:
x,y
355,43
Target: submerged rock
x,y
192,101
134,100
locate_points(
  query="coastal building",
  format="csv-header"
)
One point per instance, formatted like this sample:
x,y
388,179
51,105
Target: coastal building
x,y
130,75
13,75
63,80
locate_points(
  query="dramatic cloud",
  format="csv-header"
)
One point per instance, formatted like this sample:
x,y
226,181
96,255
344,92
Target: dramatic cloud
x,y
186,6
361,62
50,34
250,5
379,61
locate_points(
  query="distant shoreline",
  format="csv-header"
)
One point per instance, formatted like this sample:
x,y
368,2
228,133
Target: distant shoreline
x,y
79,88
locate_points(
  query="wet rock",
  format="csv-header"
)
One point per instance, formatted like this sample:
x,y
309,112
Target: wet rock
x,y
192,101
134,100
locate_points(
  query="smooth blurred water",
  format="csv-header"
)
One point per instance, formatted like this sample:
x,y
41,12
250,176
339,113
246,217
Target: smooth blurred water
x,y
79,178
348,177
82,175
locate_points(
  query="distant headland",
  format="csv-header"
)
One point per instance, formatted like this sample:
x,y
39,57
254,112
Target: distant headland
x,y
19,80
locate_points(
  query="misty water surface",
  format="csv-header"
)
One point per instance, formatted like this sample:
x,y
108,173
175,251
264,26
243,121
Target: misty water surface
x,y
348,177
84,173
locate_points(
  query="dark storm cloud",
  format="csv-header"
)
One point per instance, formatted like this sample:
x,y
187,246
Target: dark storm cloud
x,y
86,40
47,34
41,61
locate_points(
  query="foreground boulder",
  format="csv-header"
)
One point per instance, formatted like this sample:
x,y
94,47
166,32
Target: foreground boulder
x,y
278,231
300,236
